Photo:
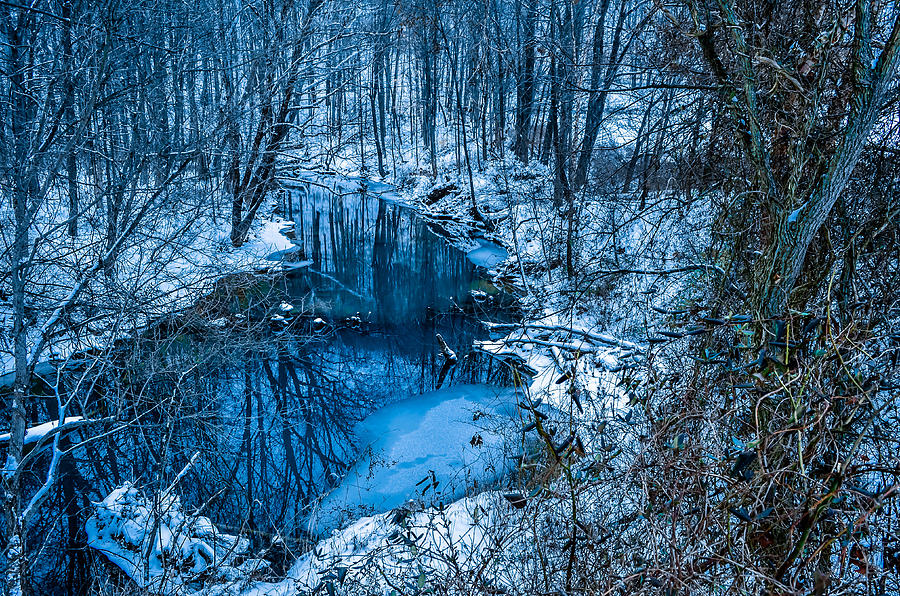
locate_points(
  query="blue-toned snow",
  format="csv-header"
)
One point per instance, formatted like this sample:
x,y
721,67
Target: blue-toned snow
x,y
487,255
456,434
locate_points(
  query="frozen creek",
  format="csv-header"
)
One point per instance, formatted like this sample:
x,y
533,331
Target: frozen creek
x,y
427,449
345,386
427,445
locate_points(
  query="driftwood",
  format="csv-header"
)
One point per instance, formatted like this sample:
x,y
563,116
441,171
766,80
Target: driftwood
x,y
450,360
587,335
439,192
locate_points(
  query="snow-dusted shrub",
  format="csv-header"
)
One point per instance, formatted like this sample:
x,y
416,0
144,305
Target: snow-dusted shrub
x,y
162,548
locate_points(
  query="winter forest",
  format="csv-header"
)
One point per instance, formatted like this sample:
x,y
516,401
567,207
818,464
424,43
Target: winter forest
x,y
453,297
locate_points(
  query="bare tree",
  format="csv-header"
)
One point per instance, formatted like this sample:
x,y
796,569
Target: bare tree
x,y
802,143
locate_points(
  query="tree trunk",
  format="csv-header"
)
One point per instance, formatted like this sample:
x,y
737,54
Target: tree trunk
x,y
782,261
429,92
22,194
525,86
597,96
69,116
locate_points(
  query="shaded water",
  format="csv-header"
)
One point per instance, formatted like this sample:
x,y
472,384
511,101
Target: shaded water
x,y
352,327
372,256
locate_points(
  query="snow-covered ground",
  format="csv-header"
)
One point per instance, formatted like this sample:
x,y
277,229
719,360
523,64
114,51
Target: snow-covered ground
x,y
154,277
163,549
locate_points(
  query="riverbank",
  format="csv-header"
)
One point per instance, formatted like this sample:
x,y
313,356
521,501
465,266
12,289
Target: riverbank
x,y
425,300
562,358
565,359
159,281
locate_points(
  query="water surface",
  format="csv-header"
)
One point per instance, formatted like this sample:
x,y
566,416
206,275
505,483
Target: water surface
x,y
275,404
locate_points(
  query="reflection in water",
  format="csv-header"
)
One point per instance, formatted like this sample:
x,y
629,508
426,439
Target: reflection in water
x,y
271,408
376,258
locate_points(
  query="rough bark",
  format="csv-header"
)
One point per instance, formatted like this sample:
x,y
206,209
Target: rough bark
x,y
782,262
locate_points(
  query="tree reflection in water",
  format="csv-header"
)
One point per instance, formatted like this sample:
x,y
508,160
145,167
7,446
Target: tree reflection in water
x,y
271,405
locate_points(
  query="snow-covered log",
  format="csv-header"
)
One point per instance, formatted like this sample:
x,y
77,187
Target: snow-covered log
x,y
36,433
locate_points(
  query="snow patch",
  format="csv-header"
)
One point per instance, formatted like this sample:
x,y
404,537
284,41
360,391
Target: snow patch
x,y
431,447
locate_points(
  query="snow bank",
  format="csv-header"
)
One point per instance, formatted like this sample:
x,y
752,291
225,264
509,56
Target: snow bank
x,y
414,549
161,548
